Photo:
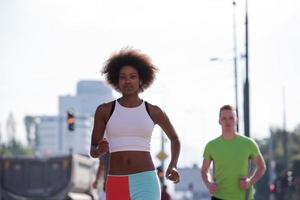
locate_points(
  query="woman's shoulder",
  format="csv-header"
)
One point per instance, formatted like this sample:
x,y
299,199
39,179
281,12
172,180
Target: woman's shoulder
x,y
153,108
155,112
105,107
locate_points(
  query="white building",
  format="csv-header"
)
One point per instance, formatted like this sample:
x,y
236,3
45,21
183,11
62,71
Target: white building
x,y
54,138
52,134
191,186
88,96
47,135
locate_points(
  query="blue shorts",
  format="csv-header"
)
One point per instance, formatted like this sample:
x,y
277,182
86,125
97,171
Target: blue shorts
x,y
139,186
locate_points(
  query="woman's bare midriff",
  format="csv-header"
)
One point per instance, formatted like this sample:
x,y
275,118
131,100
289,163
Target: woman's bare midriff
x,y
130,162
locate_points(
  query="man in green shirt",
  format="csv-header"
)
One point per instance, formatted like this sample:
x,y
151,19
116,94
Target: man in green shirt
x,y
230,154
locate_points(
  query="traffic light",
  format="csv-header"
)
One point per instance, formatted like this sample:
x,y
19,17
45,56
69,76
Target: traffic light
x,y
70,121
289,177
272,188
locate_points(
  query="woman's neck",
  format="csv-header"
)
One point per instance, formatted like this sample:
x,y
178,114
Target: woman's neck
x,y
130,101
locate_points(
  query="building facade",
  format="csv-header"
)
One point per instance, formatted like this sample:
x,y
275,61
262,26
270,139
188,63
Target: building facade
x,y
53,137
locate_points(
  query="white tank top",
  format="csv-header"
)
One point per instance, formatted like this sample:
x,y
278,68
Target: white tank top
x,y
129,129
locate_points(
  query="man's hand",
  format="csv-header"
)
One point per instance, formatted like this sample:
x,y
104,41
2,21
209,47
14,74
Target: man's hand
x,y
212,188
245,183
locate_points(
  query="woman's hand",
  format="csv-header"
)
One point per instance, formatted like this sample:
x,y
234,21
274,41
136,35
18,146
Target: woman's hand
x,y
172,174
95,184
102,147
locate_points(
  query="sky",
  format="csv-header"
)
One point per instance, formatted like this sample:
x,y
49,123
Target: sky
x,y
47,46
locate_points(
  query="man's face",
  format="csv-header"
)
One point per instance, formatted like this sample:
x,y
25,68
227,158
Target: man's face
x,y
228,119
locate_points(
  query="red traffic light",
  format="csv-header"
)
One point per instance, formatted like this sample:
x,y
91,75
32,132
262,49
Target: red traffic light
x,y
70,121
272,188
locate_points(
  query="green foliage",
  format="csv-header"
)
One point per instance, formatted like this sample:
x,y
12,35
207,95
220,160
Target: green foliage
x,y
15,148
293,143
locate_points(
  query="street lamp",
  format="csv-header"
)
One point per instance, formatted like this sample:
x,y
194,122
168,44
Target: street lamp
x,y
214,59
235,64
234,59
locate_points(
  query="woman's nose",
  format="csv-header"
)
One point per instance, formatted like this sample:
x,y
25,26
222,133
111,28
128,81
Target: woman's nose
x,y
127,80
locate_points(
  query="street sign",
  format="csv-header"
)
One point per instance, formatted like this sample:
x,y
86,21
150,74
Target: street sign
x,y
162,156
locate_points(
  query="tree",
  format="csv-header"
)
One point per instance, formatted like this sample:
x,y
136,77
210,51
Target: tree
x,y
286,191
14,148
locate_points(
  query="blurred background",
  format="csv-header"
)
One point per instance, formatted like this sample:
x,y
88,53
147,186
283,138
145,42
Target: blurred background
x,y
209,53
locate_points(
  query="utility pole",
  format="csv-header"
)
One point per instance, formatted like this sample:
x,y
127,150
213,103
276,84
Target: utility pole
x,y
235,64
0,135
285,136
162,149
246,90
246,84
272,165
61,134
162,156
11,129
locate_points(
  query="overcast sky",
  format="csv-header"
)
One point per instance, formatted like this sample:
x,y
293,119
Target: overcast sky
x,y
47,46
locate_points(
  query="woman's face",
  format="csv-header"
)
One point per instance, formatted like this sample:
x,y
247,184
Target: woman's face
x,y
129,80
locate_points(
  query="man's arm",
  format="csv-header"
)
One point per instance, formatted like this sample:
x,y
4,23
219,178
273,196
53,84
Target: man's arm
x,y
260,169
259,172
206,177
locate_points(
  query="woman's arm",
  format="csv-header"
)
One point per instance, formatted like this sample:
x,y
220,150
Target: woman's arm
x,y
160,118
98,145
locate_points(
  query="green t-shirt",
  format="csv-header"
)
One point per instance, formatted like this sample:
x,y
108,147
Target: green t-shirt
x,y
230,160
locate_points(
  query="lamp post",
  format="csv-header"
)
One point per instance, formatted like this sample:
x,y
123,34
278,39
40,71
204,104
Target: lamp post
x,y
214,59
234,59
246,84
285,134
235,63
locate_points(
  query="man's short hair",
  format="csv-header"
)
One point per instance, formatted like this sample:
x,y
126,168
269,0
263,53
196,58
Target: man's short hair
x,y
227,107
